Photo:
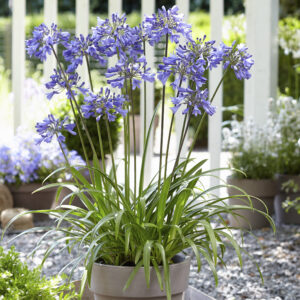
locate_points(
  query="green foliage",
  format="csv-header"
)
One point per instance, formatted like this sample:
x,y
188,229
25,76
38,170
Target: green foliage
x,y
291,187
63,109
17,281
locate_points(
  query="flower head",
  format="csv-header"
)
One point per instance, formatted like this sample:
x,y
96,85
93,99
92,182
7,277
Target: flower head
x,y
44,38
51,127
58,84
194,101
77,48
110,37
131,68
102,104
166,22
239,60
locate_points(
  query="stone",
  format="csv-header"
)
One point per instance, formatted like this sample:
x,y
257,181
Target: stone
x,y
6,200
22,223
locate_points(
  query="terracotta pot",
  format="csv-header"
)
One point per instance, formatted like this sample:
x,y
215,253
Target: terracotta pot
x,y
264,189
23,197
281,216
108,281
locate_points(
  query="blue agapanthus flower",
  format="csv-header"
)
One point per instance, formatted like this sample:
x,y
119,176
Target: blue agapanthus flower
x,y
129,68
166,22
104,103
194,101
44,38
51,127
240,61
58,84
77,49
189,62
115,36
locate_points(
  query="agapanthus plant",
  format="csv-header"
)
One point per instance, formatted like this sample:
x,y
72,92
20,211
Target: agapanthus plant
x,y
135,222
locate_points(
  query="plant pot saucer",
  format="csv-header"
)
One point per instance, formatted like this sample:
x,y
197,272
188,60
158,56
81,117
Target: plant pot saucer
x,y
190,294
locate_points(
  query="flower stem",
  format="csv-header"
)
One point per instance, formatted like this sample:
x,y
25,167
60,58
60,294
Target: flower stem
x,y
169,136
162,122
201,121
97,123
112,155
134,140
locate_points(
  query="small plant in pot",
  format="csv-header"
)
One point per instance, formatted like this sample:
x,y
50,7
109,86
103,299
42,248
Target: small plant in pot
x,y
133,232
25,164
254,164
286,117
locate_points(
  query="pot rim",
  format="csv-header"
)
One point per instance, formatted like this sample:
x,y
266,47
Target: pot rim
x,y
186,259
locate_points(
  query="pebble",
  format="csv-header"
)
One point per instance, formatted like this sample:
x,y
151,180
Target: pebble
x,y
278,256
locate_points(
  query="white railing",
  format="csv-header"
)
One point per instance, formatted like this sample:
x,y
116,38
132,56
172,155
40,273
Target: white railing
x,y
262,18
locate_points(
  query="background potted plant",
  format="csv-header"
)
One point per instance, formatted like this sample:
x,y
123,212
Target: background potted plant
x,y
133,227
286,117
25,164
254,166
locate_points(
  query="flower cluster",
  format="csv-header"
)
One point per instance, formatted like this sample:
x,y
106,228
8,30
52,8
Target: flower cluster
x,y
114,37
166,22
44,38
71,85
77,49
104,103
51,127
239,60
132,69
25,161
195,100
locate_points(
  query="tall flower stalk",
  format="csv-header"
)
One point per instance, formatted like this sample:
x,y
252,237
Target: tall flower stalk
x,y
132,223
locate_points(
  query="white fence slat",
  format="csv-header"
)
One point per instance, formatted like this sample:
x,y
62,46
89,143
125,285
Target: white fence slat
x,y
18,58
82,27
148,8
184,8
215,122
114,6
261,32
50,16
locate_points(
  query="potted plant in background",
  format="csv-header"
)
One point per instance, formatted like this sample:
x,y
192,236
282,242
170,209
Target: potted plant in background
x,y
25,164
286,117
133,233
254,166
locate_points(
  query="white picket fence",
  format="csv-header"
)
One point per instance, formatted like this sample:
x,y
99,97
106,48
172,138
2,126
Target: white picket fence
x,y
262,19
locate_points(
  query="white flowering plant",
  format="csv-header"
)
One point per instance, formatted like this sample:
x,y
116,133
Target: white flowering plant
x,y
285,117
252,149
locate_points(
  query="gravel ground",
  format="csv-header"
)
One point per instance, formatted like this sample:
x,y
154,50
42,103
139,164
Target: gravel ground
x,y
277,255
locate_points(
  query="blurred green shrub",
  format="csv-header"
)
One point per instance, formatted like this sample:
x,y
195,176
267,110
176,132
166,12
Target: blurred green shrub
x,y
17,281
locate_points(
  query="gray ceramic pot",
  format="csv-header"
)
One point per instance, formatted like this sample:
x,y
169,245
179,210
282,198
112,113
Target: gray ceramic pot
x,y
23,197
108,281
281,216
264,189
